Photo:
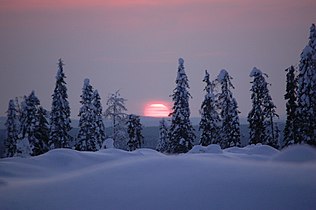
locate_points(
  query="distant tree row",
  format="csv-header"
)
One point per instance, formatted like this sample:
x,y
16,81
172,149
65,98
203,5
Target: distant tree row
x,y
219,115
31,130
219,111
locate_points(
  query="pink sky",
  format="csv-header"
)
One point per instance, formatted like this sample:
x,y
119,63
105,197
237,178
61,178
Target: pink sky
x,y
118,43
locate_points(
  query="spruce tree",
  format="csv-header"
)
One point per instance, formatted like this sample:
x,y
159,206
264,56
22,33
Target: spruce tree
x,y
209,124
306,94
261,117
31,132
290,129
134,129
12,130
163,141
41,133
100,129
87,138
181,132
116,111
230,129
60,123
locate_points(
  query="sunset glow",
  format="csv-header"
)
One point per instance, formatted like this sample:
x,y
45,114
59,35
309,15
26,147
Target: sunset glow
x,y
156,110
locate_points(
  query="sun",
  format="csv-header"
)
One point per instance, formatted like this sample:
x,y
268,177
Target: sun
x,y
159,109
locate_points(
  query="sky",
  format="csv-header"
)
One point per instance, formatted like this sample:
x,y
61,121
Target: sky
x,y
134,45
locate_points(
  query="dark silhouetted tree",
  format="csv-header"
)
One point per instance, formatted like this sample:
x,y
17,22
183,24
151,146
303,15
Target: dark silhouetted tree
x,y
306,94
87,136
134,129
60,123
230,129
261,117
12,130
163,141
181,132
210,121
291,126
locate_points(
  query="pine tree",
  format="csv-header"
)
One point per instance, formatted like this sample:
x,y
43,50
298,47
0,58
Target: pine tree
x,y
290,129
306,94
230,129
261,125
100,129
134,129
181,133
163,142
12,131
60,123
209,124
87,138
116,112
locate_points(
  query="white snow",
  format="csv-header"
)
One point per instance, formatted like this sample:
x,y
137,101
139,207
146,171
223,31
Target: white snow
x,y
255,72
254,177
222,74
181,61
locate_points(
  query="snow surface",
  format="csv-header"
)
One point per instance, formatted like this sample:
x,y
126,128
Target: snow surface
x,y
254,177
222,75
255,72
181,61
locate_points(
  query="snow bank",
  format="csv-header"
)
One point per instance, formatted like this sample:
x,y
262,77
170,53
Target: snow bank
x,y
213,148
297,153
210,178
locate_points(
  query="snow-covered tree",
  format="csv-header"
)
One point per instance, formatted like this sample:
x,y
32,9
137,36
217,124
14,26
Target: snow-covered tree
x,y
210,121
163,141
41,133
230,129
181,132
100,129
87,138
290,129
116,111
12,130
134,129
32,127
60,123
306,94
261,117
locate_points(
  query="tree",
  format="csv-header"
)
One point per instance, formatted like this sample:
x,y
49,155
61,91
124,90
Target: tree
x,y
291,126
261,126
163,141
12,132
134,129
31,132
60,123
306,97
87,138
100,129
116,112
181,133
41,133
230,130
209,124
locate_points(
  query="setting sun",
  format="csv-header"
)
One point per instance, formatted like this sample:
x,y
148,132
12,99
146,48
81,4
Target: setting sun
x,y
156,110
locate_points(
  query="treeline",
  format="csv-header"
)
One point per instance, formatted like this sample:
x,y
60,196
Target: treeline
x,y
32,130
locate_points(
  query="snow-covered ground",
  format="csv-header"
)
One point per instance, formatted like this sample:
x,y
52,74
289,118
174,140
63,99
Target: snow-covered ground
x,y
254,177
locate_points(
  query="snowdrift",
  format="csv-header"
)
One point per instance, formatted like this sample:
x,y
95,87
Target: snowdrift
x,y
254,177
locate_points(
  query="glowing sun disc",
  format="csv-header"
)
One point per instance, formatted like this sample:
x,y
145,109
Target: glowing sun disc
x,y
156,110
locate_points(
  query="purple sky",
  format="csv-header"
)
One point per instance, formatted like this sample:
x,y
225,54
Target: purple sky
x,y
134,46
